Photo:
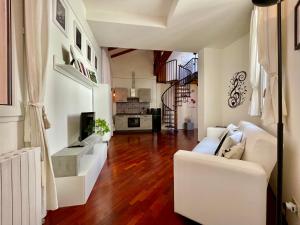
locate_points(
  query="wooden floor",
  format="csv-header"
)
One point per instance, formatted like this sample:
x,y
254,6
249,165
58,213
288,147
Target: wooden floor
x,y
135,185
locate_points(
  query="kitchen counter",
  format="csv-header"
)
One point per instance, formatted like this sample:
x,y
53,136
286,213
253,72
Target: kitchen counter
x,y
133,114
133,122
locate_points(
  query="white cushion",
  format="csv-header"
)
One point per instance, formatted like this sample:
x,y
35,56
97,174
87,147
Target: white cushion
x,y
231,127
228,142
234,152
224,133
207,146
236,136
260,147
233,139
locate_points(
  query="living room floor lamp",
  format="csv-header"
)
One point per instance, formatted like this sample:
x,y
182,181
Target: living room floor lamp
x,y
266,3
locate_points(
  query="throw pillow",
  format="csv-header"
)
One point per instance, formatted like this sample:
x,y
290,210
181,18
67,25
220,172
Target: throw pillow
x,y
232,127
220,144
224,133
229,129
234,152
228,142
236,136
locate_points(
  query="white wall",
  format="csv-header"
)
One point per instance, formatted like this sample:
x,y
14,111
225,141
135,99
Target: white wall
x,y
11,117
217,67
141,62
106,67
235,58
65,99
209,90
103,106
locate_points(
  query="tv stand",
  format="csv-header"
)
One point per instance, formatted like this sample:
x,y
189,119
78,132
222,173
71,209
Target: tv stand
x,y
76,170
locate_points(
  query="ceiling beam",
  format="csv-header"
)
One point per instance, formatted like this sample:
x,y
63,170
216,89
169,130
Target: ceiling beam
x,y
165,56
157,57
111,49
160,59
122,53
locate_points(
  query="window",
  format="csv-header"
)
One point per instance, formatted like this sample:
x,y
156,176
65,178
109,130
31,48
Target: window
x,y
5,53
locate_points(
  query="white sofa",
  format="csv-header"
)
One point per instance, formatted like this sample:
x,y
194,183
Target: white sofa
x,y
214,190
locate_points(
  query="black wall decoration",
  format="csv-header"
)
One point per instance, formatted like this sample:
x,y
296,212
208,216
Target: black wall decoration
x,y
237,89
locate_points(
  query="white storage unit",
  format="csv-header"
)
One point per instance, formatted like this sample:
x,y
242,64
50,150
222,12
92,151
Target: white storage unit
x,y
75,190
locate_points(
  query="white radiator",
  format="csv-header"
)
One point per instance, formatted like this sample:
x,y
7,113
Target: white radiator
x,y
20,187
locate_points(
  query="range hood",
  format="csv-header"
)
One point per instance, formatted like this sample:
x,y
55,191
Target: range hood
x,y
132,89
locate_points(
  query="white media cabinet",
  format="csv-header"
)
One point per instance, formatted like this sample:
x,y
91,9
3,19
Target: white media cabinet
x,y
88,162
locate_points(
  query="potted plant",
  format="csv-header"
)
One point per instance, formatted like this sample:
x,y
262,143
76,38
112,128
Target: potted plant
x,y
101,127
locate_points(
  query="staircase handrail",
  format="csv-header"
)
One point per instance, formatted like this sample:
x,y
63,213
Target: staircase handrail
x,y
172,85
173,62
188,72
189,62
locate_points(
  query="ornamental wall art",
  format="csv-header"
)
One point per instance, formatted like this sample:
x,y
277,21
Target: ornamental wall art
x,y
237,90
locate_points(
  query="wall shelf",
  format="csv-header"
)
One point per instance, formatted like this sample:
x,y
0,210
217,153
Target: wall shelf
x,y
72,73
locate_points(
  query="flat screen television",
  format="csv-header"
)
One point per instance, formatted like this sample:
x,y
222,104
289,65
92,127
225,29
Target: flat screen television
x,y
87,124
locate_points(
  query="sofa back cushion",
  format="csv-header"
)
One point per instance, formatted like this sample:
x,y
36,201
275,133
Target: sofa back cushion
x,y
260,146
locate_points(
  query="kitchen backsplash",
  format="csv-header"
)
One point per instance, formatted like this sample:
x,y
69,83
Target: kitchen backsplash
x,y
132,107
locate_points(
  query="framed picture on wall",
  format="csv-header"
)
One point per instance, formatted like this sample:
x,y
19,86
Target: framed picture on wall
x,y
297,26
60,15
89,51
74,59
83,69
96,62
77,37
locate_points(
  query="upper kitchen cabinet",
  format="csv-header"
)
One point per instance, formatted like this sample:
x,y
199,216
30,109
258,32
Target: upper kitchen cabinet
x,y
144,94
121,94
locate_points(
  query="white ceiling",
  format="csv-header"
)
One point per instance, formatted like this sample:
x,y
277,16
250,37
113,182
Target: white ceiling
x,y
182,25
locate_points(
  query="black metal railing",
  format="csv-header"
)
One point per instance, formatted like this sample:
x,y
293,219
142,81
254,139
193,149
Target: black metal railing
x,y
192,65
179,90
168,72
171,70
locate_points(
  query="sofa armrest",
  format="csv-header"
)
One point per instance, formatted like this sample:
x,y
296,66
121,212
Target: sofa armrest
x,y
214,190
215,132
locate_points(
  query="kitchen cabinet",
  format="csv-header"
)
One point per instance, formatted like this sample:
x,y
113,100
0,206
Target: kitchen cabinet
x,y
121,94
144,94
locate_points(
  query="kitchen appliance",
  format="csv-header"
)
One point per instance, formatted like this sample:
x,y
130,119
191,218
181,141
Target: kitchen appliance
x,y
132,89
134,121
156,120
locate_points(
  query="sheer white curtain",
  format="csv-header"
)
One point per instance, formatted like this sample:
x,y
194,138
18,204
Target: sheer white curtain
x,y
105,67
267,57
36,41
254,109
106,79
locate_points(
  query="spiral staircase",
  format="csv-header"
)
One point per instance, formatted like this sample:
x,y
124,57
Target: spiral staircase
x,y
180,78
